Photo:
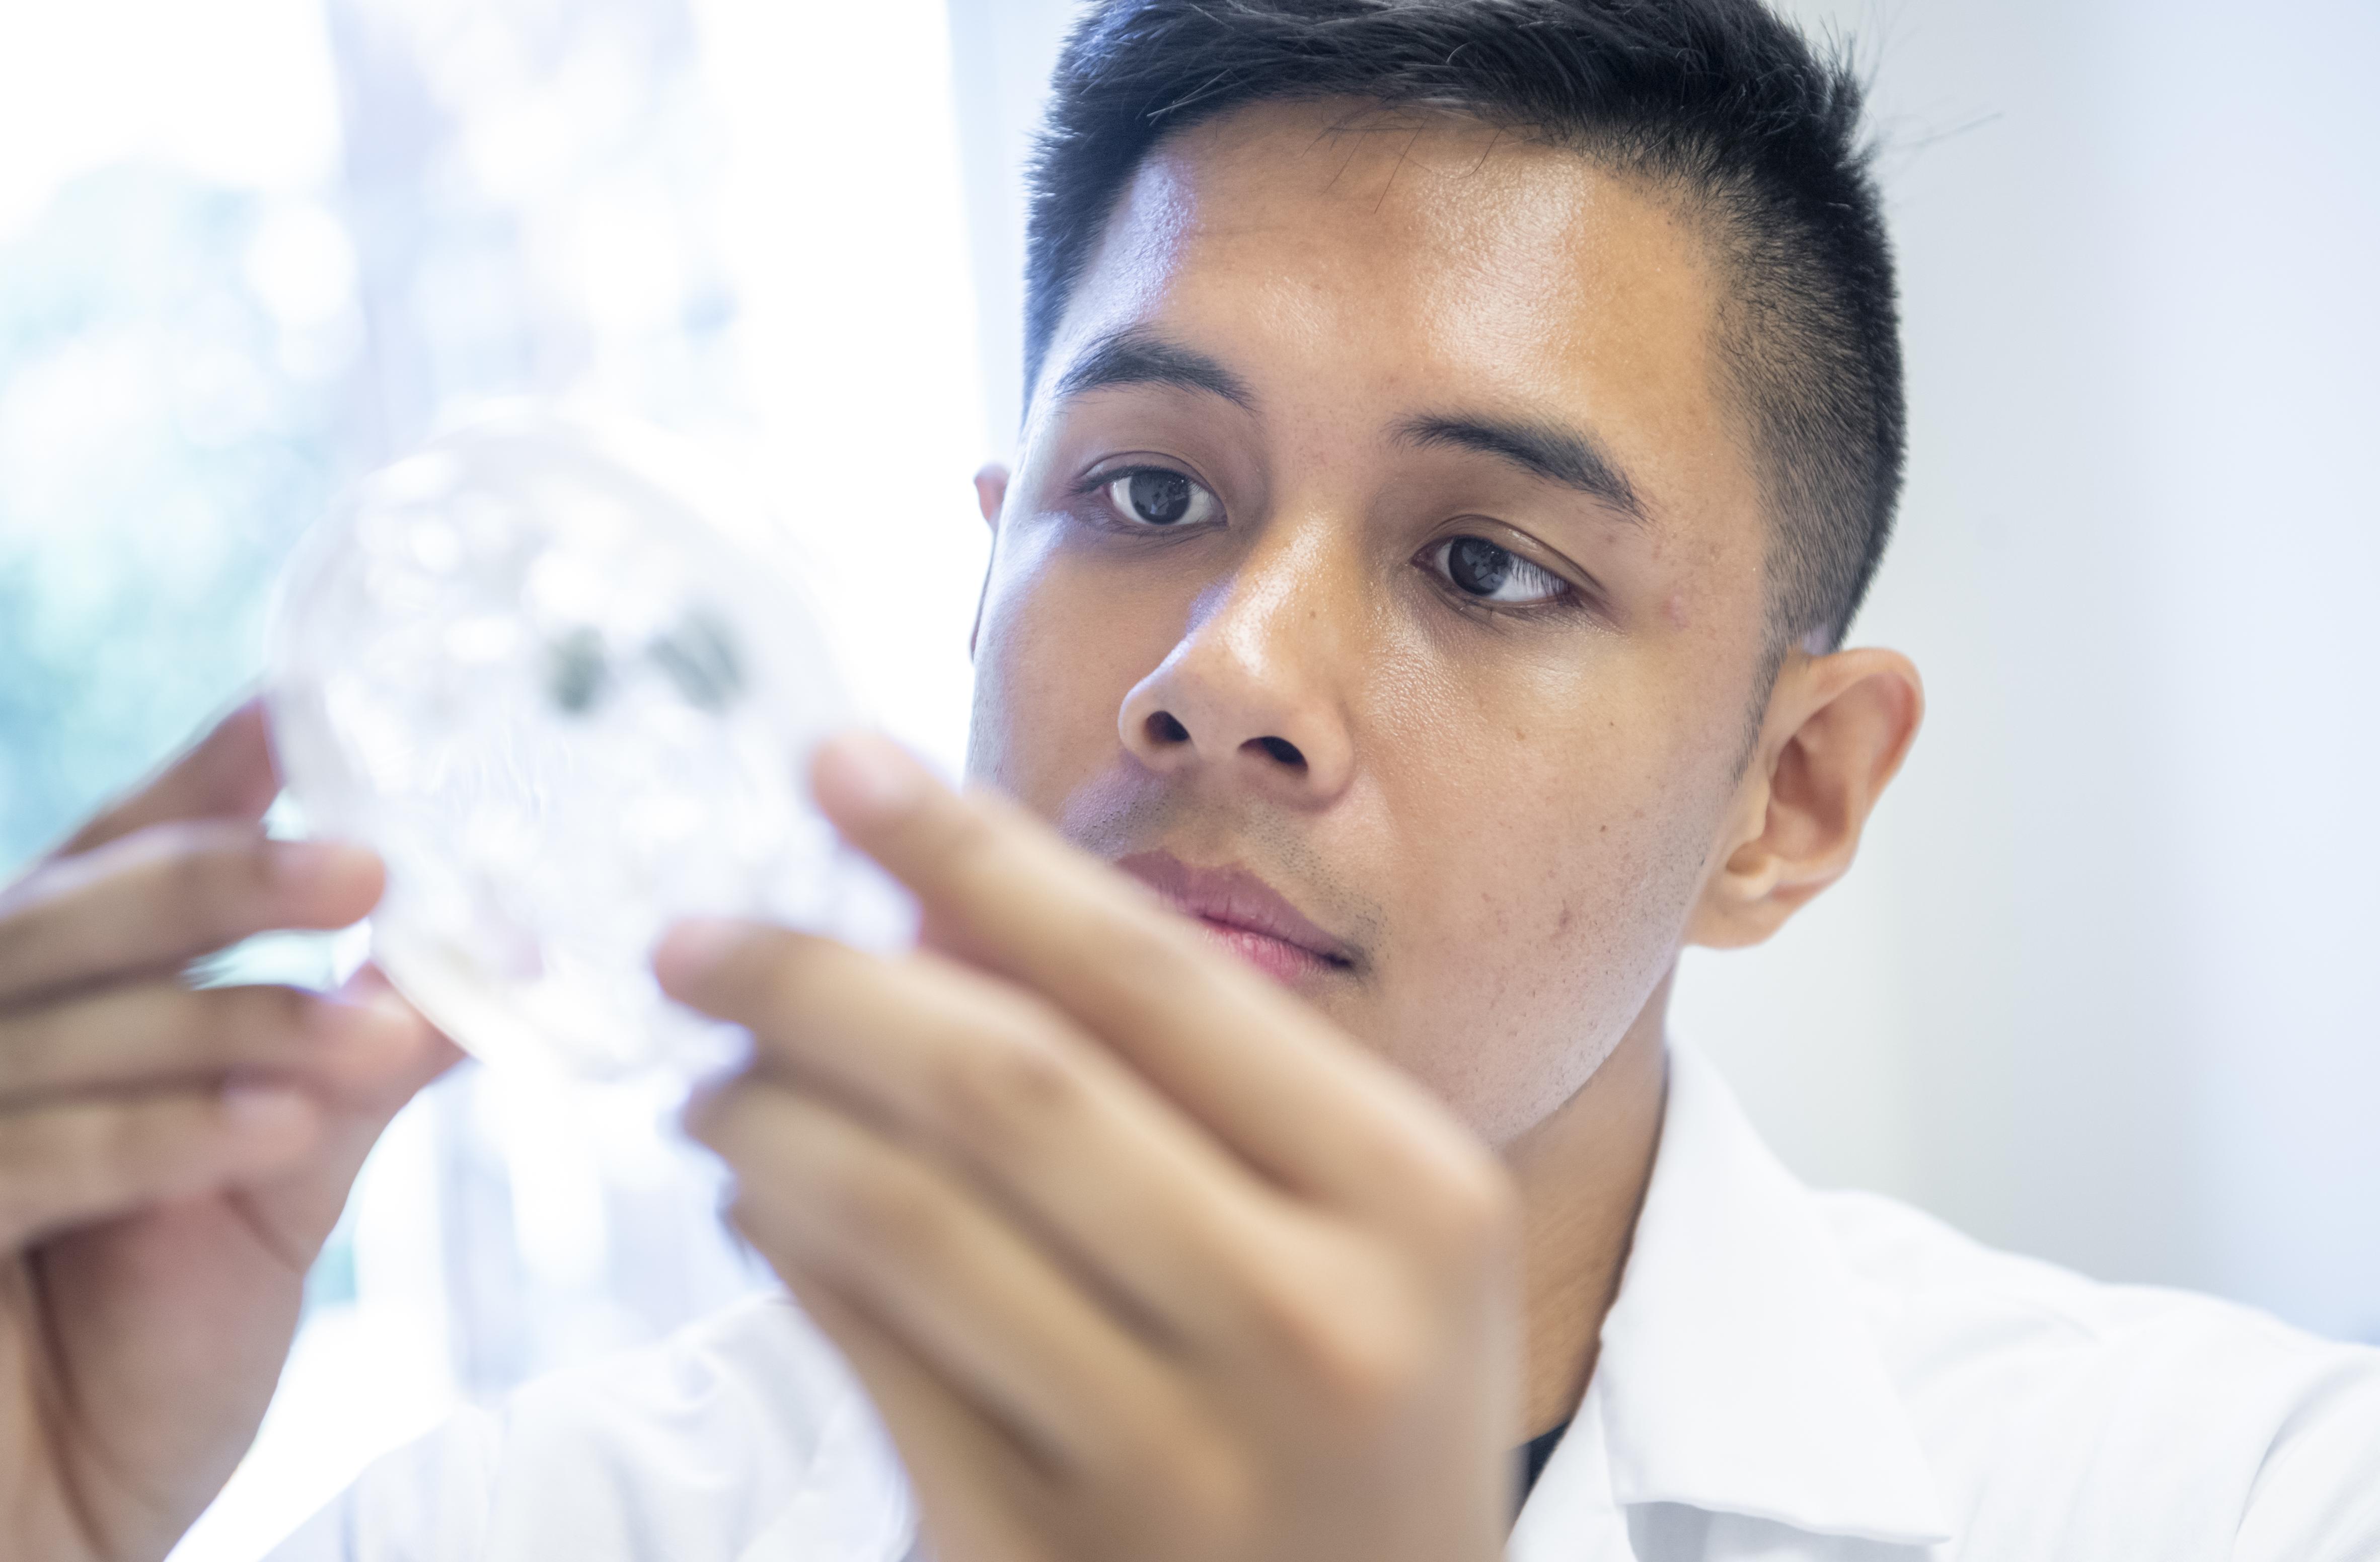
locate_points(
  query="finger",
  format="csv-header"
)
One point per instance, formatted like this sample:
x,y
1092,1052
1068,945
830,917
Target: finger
x,y
1133,1194
79,1162
952,1280
362,1083
227,774
158,899
377,1077
982,1498
1283,1086
158,1034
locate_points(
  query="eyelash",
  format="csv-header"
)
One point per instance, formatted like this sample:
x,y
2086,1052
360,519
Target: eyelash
x,y
1094,485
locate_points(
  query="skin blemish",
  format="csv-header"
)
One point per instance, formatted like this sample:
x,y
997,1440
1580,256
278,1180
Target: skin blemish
x,y
1675,609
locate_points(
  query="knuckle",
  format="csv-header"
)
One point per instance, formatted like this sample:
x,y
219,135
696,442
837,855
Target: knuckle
x,y
1351,1344
957,837
32,911
1463,1206
205,876
128,1142
32,1048
733,1118
1003,1087
1286,1312
767,983
63,1143
244,1020
886,1207
1369,1368
1211,1495
71,1163
43,1165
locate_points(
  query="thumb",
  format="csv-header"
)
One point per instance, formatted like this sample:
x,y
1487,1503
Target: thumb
x,y
227,774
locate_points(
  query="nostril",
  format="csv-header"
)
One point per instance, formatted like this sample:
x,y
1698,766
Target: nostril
x,y
1282,750
1162,728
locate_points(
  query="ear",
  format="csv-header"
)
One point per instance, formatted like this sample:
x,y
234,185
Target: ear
x,y
991,493
1836,728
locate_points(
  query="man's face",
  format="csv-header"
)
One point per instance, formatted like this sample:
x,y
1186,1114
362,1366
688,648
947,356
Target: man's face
x,y
1381,580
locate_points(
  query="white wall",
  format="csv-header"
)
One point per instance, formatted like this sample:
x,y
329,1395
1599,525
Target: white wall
x,y
1000,54
2101,987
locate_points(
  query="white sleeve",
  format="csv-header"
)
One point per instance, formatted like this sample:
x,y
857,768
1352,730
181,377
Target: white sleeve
x,y
426,1502
2317,1498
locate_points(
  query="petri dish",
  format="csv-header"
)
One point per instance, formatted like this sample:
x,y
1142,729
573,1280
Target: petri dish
x,y
565,684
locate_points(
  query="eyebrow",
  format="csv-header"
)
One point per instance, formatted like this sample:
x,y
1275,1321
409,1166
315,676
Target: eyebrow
x,y
1547,451
1136,357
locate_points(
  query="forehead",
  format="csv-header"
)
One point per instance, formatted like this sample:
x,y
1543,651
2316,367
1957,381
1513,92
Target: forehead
x,y
1424,256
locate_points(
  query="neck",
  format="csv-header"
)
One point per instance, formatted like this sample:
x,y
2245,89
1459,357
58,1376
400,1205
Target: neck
x,y
1582,1173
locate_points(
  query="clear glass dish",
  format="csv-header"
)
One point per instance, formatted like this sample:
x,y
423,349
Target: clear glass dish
x,y
567,687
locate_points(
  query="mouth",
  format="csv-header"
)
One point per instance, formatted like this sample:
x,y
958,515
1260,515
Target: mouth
x,y
1245,915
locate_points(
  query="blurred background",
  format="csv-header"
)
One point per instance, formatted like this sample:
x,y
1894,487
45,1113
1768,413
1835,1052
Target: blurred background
x,y
2102,988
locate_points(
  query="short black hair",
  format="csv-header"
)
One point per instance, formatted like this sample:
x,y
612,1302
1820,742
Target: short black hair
x,y
1720,103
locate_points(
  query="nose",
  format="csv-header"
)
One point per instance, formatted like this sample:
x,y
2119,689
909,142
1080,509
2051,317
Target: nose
x,y
1251,693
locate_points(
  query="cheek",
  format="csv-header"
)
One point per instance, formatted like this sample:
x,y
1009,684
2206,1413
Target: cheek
x,y
1054,660
1546,873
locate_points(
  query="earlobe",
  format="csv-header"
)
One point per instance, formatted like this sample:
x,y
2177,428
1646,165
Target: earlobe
x,y
1838,729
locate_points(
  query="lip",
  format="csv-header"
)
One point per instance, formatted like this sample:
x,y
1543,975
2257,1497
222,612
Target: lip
x,y
1248,916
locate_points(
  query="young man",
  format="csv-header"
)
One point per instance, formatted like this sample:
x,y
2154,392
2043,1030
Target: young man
x,y
1460,432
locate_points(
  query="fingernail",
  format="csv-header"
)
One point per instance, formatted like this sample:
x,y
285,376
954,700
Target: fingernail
x,y
864,778
694,947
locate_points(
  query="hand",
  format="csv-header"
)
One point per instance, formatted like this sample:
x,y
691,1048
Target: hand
x,y
1137,1256
170,1159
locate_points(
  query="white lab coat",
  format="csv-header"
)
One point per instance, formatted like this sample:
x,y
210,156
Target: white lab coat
x,y
1785,1376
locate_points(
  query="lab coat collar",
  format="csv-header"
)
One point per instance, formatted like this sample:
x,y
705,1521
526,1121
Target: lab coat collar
x,y
1736,1372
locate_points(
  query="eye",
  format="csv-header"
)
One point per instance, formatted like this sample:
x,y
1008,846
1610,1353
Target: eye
x,y
1476,567
1157,496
